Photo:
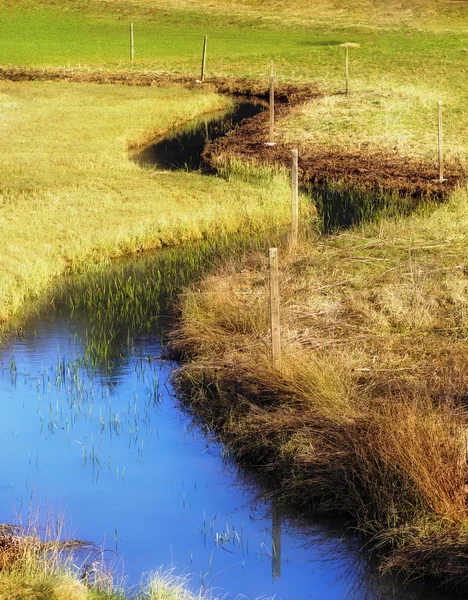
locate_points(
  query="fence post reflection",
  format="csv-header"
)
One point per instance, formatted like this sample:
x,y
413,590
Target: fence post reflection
x,y
276,518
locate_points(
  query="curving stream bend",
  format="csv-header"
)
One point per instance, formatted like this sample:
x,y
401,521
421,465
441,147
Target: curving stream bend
x,y
111,447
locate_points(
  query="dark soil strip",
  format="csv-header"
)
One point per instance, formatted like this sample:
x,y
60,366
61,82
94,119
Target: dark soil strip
x,y
223,85
321,166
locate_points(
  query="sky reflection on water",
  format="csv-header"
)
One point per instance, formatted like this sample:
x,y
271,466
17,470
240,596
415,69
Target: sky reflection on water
x,y
132,471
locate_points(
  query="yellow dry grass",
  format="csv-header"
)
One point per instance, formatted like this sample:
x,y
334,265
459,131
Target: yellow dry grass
x,y
401,123
367,412
45,587
71,197
35,570
371,14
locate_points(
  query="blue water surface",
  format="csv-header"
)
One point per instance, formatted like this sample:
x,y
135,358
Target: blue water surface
x,y
113,451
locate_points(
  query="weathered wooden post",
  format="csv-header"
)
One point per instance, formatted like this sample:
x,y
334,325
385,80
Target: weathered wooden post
x,y
294,198
272,104
347,69
441,150
275,310
347,46
203,64
132,48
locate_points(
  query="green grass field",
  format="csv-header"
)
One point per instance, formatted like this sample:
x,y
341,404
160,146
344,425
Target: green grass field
x,y
242,39
409,58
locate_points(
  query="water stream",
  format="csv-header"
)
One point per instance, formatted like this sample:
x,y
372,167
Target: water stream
x,y
112,449
182,148
338,206
107,444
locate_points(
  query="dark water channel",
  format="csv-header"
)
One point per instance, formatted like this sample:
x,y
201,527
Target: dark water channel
x,y
182,148
112,449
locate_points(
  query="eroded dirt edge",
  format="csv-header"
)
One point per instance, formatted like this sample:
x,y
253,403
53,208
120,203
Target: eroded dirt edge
x,y
320,165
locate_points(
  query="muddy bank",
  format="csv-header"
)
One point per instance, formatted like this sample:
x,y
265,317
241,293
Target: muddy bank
x,y
321,166
223,85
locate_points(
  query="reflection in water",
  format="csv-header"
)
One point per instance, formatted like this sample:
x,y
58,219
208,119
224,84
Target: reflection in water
x,y
276,518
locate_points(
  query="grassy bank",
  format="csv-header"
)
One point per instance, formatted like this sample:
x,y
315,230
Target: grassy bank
x,y
367,414
33,578
70,196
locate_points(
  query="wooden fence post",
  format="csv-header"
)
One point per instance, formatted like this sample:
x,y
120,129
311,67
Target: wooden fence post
x,y
272,103
294,198
441,150
132,48
347,46
347,69
203,64
275,309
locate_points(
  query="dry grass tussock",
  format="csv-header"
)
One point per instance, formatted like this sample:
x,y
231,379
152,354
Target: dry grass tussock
x,y
367,414
33,569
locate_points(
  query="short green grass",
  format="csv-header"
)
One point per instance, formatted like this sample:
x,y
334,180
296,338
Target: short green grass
x,y
242,38
169,41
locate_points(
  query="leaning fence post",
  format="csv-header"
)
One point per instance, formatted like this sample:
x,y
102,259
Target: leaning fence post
x,y
132,49
441,150
294,198
203,64
275,309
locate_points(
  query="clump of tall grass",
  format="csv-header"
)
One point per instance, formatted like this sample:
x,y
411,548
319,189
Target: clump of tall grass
x,y
167,585
35,564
